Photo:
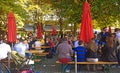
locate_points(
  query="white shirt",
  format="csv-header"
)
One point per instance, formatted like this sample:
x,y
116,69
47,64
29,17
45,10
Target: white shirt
x,y
4,50
20,48
76,44
38,44
118,35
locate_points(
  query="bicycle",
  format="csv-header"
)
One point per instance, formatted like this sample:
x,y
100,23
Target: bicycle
x,y
21,63
3,67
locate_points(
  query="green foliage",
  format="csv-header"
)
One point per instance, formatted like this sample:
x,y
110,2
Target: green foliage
x,y
105,12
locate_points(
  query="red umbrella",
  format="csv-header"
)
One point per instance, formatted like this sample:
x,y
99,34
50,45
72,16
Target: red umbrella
x,y
54,32
12,36
39,31
86,32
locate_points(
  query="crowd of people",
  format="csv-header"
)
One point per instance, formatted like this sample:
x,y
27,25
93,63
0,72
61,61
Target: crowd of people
x,y
105,46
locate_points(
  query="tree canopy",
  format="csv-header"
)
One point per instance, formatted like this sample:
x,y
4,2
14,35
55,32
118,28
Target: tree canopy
x,y
104,12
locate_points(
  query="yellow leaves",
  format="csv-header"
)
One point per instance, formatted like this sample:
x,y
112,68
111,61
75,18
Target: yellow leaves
x,y
75,1
34,7
19,21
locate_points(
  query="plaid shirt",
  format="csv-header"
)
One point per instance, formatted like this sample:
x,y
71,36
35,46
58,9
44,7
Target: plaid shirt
x,y
64,50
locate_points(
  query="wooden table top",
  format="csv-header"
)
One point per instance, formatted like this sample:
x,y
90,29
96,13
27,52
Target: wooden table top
x,y
42,47
36,51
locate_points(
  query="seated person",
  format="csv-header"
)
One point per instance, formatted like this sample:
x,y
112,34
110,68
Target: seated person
x,y
91,54
5,49
64,52
20,47
38,44
81,52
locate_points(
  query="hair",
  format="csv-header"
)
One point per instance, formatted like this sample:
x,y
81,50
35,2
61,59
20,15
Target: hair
x,y
92,45
21,39
104,28
116,29
80,42
5,40
110,41
64,39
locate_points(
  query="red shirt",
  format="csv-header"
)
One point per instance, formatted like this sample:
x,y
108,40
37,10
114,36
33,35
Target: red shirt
x,y
52,44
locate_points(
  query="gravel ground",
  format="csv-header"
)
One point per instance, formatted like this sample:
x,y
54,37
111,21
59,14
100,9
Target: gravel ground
x,y
49,66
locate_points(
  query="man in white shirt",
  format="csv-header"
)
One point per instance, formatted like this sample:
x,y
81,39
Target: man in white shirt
x,y
37,44
4,50
20,47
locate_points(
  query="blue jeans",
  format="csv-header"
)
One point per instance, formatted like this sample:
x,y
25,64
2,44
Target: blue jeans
x,y
68,67
1,68
53,51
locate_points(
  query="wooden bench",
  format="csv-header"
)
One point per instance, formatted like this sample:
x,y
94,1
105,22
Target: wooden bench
x,y
37,52
63,66
37,60
45,47
42,47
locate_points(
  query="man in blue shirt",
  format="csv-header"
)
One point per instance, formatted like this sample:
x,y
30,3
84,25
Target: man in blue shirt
x,y
81,52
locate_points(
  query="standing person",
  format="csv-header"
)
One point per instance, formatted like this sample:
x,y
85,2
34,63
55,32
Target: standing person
x,y
91,54
102,36
64,52
81,52
108,51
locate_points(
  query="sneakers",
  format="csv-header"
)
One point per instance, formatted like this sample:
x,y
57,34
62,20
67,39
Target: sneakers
x,y
67,71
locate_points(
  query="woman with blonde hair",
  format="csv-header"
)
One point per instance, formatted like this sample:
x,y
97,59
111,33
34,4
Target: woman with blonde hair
x,y
92,51
91,54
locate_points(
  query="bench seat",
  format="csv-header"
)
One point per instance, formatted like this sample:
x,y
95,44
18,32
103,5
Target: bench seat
x,y
100,62
63,66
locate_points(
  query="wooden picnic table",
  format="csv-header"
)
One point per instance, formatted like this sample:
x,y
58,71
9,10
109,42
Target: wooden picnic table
x,y
38,52
42,47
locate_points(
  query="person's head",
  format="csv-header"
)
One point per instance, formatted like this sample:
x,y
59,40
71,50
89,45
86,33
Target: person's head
x,y
64,39
5,40
25,41
110,41
117,29
17,41
104,29
92,45
81,42
20,40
